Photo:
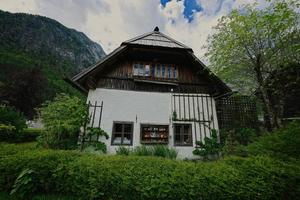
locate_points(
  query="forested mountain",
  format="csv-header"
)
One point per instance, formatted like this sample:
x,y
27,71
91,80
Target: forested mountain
x,y
35,54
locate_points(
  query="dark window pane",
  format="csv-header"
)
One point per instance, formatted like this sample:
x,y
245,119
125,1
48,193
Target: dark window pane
x,y
187,139
186,129
127,128
118,127
163,71
177,129
183,134
177,138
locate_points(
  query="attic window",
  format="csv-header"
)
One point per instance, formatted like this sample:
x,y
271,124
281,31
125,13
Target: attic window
x,y
165,71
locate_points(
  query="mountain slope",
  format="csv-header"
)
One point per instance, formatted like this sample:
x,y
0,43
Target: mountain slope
x,y
30,42
44,36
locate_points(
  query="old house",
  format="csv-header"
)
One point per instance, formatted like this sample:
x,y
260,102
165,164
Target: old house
x,y
152,90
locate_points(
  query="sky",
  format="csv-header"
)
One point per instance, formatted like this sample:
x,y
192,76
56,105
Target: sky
x,y
110,22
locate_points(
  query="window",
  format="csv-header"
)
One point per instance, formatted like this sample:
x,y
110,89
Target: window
x,y
136,69
169,72
147,70
183,135
157,71
154,134
153,70
122,133
163,71
141,70
175,72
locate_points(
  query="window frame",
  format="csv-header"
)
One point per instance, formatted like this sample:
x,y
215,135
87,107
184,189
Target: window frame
x,y
122,133
155,70
182,134
157,125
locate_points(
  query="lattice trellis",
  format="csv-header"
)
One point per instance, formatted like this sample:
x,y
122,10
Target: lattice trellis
x,y
237,111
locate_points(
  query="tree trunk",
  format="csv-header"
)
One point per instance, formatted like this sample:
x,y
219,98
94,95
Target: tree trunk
x,y
265,97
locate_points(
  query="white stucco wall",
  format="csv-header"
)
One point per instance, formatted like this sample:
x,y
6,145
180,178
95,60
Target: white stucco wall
x,y
142,108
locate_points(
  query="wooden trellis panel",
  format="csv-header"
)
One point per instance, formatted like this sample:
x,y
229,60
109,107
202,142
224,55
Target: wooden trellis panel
x,y
236,111
198,109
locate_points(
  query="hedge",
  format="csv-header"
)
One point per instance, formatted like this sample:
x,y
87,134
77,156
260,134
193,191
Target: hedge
x,y
136,177
25,135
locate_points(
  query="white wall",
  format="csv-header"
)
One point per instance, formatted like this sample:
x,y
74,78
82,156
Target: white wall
x,y
139,108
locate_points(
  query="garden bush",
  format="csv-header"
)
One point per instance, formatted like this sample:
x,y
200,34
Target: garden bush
x,y
153,150
29,135
90,176
12,123
283,143
62,119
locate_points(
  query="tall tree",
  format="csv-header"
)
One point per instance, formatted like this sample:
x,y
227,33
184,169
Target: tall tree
x,y
250,44
25,89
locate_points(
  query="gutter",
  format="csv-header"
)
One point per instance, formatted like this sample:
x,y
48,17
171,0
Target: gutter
x,y
75,85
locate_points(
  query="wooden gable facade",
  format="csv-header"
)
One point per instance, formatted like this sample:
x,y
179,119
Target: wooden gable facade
x,y
152,62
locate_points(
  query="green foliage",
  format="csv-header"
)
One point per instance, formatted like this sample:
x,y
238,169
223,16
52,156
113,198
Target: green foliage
x,y
164,151
89,176
282,144
231,139
62,119
250,44
24,90
210,146
93,132
30,134
143,150
10,116
92,143
123,151
12,123
7,132
250,35
25,185
155,150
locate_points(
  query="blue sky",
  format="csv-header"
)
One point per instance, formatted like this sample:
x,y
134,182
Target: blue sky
x,y
190,7
109,22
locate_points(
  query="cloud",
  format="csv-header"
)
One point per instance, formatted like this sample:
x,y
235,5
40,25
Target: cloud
x,y
109,22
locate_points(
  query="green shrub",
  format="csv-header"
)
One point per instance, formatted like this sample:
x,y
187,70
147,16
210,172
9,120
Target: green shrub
x,y
232,139
283,143
209,147
62,118
12,122
155,150
10,116
164,151
89,176
25,185
7,132
143,150
91,140
123,151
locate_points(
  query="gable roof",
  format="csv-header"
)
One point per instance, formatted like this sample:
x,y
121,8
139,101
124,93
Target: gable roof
x,y
152,39
156,38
